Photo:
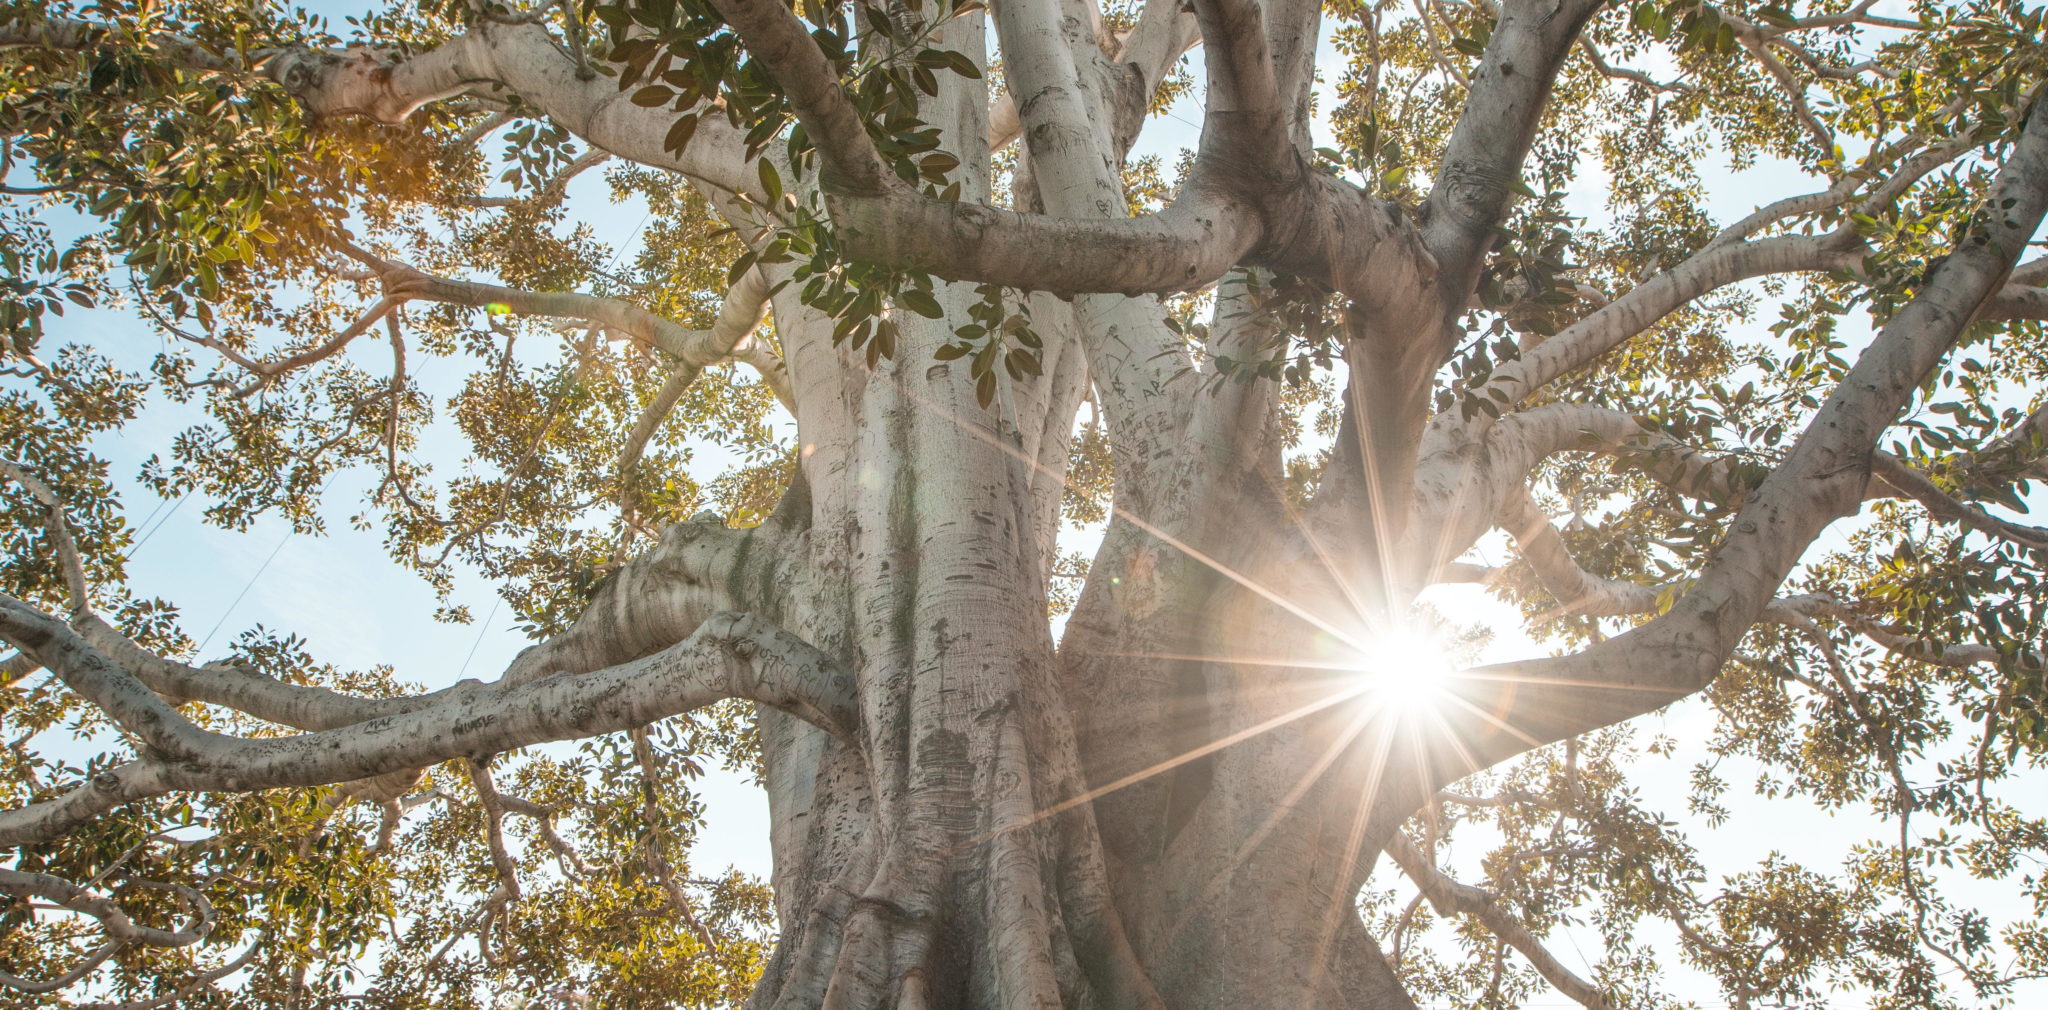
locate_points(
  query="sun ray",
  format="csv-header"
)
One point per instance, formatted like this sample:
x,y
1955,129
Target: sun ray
x,y
1496,721
1480,673
1344,584
1167,765
1450,736
1156,532
1280,809
1361,814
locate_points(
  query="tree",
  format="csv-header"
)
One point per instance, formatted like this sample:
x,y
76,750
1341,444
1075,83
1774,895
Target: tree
x,y
1296,385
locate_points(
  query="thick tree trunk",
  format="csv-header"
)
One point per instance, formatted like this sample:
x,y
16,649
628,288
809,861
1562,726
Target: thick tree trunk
x,y
1022,826
1178,805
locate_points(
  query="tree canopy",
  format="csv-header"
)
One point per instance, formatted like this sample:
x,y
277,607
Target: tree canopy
x,y
1441,293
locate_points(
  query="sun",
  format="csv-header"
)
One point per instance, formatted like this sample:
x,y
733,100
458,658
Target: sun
x,y
1405,668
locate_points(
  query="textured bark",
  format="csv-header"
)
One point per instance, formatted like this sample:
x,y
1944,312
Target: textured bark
x,y
1177,803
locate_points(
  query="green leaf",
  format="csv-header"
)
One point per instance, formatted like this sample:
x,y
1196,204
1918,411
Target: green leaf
x,y
958,63
920,302
679,134
739,268
1777,15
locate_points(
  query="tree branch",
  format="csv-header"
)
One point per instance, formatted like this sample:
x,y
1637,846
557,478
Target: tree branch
x,y
520,59
693,349
1166,29
1188,245
1746,34
1823,477
1483,158
118,925
70,35
78,592
70,977
267,372
1449,897
656,842
1918,486
1948,654
549,194
783,45
729,656
1844,189
98,680
1576,590
1244,98
203,980
1606,328
741,312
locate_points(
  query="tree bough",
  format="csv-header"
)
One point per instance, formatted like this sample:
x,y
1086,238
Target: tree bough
x,y
1291,392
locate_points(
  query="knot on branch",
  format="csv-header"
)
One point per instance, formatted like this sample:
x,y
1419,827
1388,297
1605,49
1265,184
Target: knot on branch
x,y
1476,194
355,81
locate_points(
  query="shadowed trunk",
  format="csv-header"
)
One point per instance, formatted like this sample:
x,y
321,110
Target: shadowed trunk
x,y
1176,805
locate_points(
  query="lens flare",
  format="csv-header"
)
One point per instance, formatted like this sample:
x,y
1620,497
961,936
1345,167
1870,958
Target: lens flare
x,y
1406,668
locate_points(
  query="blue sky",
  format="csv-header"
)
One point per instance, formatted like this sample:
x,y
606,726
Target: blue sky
x,y
357,609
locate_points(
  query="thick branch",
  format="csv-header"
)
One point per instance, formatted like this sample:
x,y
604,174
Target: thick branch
x,y
693,349
811,83
299,706
2018,301
698,568
729,656
1165,30
1251,200
1188,245
97,679
116,922
1244,96
1483,158
521,59
70,35
1823,477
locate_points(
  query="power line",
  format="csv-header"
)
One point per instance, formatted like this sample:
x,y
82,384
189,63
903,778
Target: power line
x,y
480,636
289,531
152,515
147,533
247,586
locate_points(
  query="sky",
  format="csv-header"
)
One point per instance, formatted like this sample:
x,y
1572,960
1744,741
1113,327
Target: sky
x,y
357,609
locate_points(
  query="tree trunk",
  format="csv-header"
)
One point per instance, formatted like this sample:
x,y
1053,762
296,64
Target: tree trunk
x,y
1176,805
1026,826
